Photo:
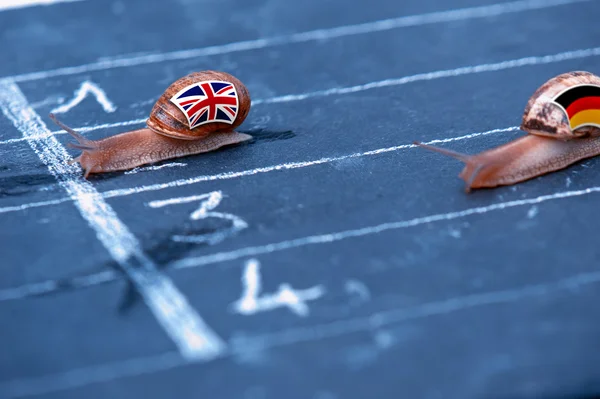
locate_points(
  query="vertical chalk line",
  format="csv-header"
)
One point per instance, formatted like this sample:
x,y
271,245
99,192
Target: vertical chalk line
x,y
460,14
192,336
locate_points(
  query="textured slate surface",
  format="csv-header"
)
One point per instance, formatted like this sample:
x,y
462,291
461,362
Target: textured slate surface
x,y
497,304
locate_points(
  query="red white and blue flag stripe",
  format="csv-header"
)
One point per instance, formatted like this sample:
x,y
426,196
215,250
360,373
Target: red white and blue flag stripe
x,y
205,102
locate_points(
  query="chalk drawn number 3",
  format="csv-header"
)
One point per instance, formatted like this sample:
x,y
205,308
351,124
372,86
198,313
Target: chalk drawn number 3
x,y
208,203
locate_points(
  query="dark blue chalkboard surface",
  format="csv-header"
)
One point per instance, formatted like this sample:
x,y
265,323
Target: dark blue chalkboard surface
x,y
327,258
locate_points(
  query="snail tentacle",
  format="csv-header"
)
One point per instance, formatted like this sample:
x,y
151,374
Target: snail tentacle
x,y
82,143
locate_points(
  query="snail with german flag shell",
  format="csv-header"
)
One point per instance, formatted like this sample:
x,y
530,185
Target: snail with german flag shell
x,y
563,121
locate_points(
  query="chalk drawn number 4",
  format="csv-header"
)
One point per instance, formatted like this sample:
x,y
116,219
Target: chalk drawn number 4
x,y
253,301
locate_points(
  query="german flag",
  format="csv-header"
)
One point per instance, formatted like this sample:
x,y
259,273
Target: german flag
x,y
581,103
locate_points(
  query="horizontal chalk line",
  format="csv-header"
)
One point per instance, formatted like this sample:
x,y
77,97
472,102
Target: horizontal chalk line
x,y
468,70
25,291
83,129
303,37
16,208
285,166
255,171
50,286
388,317
90,375
179,200
13,4
153,168
240,346
441,74
342,235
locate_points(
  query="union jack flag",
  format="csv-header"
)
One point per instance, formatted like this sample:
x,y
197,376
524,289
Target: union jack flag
x,y
205,102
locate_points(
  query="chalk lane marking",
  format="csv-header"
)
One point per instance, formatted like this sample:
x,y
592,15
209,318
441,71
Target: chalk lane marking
x,y
365,231
209,202
12,4
255,171
51,100
468,70
133,367
252,302
83,129
90,375
50,286
153,168
287,166
192,336
87,87
430,309
441,74
303,37
34,289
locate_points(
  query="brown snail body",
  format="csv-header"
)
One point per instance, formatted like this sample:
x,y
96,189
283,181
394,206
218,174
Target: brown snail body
x,y
168,133
550,145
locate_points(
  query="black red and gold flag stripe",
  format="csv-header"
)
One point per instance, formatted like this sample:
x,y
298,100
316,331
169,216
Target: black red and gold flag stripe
x,y
581,104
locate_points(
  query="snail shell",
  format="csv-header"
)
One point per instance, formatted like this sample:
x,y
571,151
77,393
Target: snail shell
x,y
544,118
165,118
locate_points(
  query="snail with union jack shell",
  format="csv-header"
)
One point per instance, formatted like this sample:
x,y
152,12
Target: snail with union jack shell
x,y
197,113
556,138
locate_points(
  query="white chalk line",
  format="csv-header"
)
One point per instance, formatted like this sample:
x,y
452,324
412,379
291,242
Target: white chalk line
x,y
50,286
181,200
369,230
153,168
393,316
31,289
192,336
285,166
17,208
239,346
303,37
255,171
468,70
90,375
12,4
427,76
83,129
